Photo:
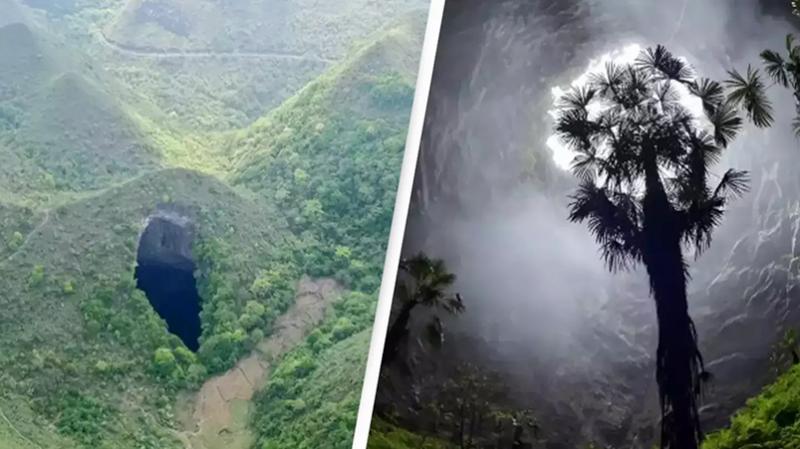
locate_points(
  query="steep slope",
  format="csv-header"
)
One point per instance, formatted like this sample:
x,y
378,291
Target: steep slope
x,y
312,397
81,338
219,414
769,421
240,60
26,61
384,435
15,223
60,129
94,147
89,362
329,156
306,28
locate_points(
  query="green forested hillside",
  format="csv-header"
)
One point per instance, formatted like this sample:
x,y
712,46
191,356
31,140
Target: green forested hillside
x,y
61,127
27,63
85,338
90,148
304,27
312,397
326,156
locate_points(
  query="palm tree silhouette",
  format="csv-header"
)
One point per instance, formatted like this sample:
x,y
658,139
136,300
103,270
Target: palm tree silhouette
x,y
644,166
785,71
425,283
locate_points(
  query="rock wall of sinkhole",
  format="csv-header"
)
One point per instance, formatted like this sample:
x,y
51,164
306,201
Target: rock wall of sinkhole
x,y
165,272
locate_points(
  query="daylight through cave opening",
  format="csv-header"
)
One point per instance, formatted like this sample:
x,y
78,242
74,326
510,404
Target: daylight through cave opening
x,y
165,272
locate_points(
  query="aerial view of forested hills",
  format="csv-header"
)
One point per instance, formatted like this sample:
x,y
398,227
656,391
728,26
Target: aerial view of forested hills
x,y
195,200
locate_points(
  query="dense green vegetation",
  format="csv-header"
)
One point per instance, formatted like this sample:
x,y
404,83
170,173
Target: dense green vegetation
x,y
312,397
93,140
303,27
769,421
384,435
108,342
326,157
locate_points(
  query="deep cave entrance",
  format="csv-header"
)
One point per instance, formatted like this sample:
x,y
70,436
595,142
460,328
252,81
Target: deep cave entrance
x,y
165,272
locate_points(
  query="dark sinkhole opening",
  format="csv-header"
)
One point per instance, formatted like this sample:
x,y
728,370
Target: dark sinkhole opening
x,y
165,272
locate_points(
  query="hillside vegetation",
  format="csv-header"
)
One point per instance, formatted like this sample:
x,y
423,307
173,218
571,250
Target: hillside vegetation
x,y
304,27
327,157
770,420
97,359
87,155
246,57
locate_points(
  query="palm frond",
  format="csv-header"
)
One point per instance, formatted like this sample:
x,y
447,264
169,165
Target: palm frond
x,y
576,98
700,220
726,122
707,144
667,96
749,92
710,92
430,278
608,82
775,67
796,126
586,165
614,221
575,129
454,304
734,183
661,61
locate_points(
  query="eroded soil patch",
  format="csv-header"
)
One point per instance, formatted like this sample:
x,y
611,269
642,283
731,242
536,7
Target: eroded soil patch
x,y
216,417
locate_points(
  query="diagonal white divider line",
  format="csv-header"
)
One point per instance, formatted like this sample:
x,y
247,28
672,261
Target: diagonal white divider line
x,y
399,218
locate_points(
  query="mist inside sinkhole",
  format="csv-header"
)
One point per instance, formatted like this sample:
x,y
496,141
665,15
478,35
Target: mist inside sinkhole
x,y
536,290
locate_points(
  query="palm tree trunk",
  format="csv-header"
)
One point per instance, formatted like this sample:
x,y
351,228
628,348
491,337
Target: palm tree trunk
x,y
677,369
678,362
397,331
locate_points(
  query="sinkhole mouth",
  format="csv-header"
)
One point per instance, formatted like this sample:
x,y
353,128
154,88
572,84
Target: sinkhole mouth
x,y
165,273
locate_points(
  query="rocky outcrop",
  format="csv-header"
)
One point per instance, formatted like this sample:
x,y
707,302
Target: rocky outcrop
x,y
167,240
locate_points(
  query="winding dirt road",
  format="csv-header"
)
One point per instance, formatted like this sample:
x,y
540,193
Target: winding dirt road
x,y
166,54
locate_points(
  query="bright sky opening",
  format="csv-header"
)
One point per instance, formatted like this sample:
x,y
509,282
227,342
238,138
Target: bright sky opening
x,y
562,155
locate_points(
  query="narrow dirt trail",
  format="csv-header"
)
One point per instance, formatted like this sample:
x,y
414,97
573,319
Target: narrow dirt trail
x,y
216,417
157,54
33,232
16,431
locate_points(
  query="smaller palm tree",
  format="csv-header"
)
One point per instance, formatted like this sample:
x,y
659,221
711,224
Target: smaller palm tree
x,y
748,91
785,71
423,282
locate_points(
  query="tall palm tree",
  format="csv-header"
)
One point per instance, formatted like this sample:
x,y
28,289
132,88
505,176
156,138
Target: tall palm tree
x,y
423,282
644,163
